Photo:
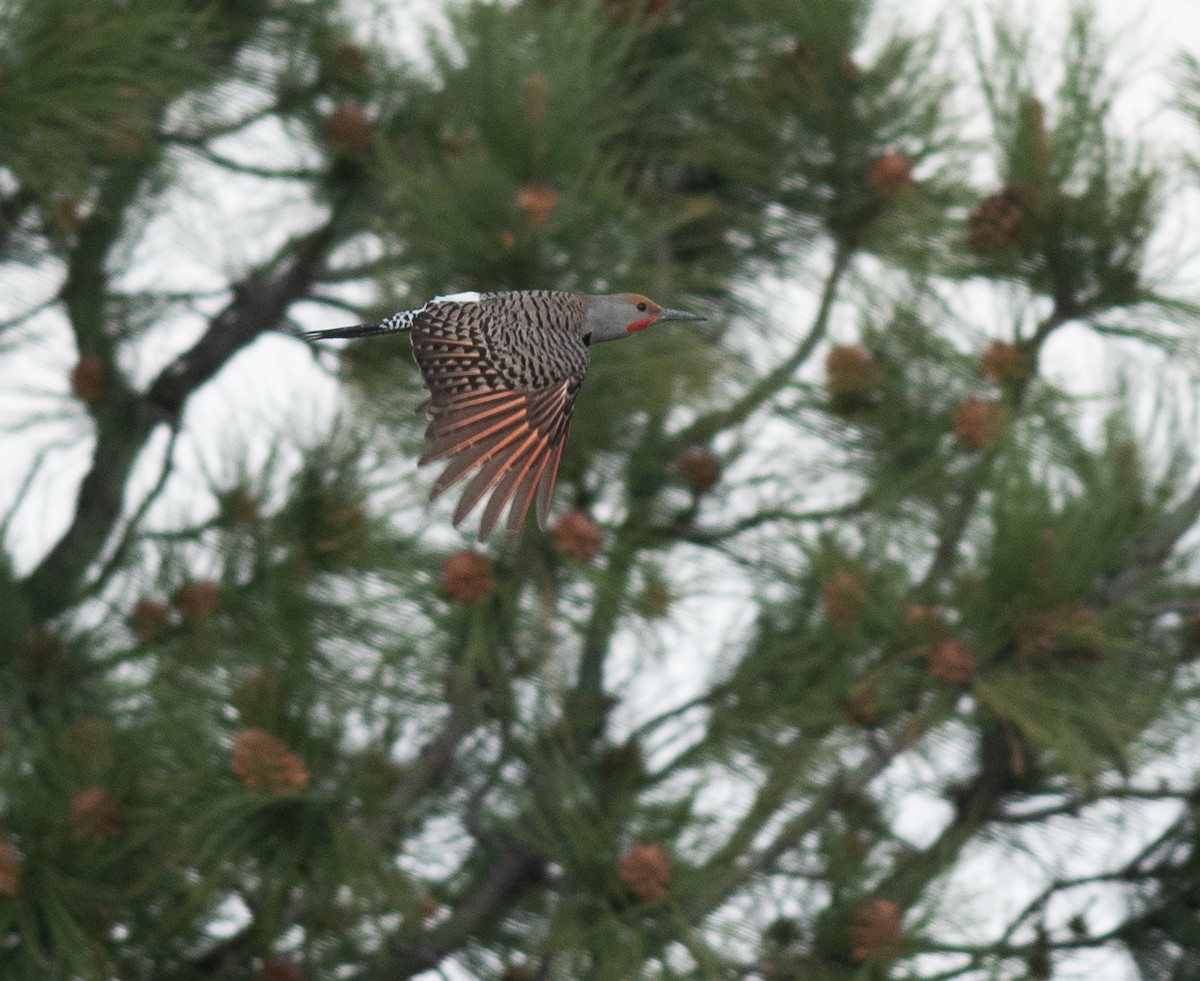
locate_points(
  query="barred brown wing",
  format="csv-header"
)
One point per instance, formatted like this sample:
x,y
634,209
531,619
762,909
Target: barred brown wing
x,y
506,433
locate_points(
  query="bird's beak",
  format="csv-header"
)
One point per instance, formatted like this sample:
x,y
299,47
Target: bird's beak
x,y
678,315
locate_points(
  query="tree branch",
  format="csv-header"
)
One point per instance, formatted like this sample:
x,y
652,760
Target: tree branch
x,y
1073,805
589,709
703,429
844,790
85,290
257,306
1003,947
120,552
489,896
12,209
434,758
955,522
202,148
1156,550
127,420
712,537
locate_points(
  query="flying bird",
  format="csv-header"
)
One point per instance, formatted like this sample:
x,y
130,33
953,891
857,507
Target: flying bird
x,y
503,370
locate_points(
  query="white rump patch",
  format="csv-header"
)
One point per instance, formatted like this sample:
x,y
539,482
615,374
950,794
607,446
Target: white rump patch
x,y
457,298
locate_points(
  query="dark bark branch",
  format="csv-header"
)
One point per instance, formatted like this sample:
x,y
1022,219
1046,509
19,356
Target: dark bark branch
x,y
433,760
257,306
85,289
121,433
126,421
229,955
121,551
12,209
1074,805
202,147
490,896
121,426
713,537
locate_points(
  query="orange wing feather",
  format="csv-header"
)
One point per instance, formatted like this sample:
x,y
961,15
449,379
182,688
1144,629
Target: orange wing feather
x,y
508,439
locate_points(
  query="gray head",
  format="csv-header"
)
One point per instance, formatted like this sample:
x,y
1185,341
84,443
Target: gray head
x,y
614,315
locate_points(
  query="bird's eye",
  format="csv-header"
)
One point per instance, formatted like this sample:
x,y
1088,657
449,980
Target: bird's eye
x,y
642,307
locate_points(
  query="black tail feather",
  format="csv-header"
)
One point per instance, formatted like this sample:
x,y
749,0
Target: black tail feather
x,y
357,330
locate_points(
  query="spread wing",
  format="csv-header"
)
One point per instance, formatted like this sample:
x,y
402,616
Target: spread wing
x,y
504,431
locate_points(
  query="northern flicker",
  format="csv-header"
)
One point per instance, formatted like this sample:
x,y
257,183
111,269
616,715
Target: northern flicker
x,y
503,370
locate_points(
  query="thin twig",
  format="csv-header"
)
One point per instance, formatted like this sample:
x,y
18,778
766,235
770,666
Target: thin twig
x,y
956,521
766,859
703,429
30,476
202,149
1153,552
716,536
1073,806
699,701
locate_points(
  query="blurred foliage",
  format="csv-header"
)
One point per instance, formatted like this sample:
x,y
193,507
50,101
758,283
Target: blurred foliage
x,y
83,87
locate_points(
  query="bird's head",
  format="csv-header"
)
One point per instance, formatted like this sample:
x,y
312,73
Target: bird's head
x,y
614,315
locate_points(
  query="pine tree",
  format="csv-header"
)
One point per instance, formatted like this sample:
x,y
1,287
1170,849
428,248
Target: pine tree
x,y
856,616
